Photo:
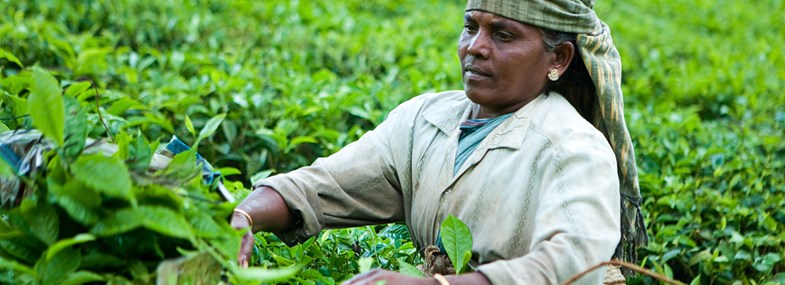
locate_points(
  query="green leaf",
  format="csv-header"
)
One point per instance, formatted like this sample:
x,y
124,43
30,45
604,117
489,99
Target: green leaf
x,y
257,275
121,221
62,244
210,127
192,269
166,221
104,174
82,277
189,125
6,170
75,129
227,171
54,270
10,57
6,231
140,154
408,269
365,264
45,106
457,240
24,248
204,225
79,202
15,266
76,89
42,220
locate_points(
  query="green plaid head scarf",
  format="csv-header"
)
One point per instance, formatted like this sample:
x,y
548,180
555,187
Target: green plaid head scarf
x,y
604,66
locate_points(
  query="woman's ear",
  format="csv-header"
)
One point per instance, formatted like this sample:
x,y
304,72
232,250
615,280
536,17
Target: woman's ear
x,y
564,54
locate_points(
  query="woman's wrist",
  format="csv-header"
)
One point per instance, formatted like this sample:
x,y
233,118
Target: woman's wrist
x,y
264,209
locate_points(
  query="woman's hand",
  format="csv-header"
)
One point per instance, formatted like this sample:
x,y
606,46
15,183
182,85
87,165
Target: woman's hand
x,y
246,245
393,278
389,278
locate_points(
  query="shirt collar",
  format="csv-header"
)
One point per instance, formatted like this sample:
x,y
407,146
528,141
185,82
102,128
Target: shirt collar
x,y
448,116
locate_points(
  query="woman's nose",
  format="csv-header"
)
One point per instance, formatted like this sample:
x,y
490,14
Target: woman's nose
x,y
479,45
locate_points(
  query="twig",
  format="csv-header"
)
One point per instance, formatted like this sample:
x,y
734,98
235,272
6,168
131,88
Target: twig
x,y
625,264
98,109
14,118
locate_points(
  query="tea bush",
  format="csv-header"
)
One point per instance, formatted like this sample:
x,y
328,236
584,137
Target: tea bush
x,y
301,79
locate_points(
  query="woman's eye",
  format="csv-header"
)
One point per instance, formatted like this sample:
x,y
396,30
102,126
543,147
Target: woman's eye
x,y
504,36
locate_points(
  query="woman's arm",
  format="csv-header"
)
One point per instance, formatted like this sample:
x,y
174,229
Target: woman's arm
x,y
267,211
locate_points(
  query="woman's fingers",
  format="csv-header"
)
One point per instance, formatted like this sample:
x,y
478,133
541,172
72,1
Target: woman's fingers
x,y
246,249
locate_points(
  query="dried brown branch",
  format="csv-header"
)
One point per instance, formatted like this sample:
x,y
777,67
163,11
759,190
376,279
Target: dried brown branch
x,y
634,267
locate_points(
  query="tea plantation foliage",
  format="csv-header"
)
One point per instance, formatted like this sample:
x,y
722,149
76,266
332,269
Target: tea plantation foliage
x,y
296,80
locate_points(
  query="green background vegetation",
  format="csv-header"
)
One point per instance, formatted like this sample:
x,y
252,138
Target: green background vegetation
x,y
703,82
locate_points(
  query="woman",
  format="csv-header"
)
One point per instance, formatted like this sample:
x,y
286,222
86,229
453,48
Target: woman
x,y
532,155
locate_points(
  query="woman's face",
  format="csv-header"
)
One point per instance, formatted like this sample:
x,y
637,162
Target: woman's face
x,y
503,62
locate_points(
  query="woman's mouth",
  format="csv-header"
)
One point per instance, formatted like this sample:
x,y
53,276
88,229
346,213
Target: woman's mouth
x,y
474,72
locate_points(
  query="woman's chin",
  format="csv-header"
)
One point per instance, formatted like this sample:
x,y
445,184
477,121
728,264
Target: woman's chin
x,y
477,96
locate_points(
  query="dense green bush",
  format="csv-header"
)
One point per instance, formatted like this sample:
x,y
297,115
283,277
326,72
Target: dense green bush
x,y
300,79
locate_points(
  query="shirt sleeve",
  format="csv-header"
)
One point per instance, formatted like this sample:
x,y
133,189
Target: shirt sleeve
x,y
577,221
356,186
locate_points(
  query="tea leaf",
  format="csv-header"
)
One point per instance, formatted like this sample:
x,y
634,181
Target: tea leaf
x,y
165,221
189,125
54,270
408,269
82,277
119,222
257,275
45,106
15,266
365,264
77,89
78,201
62,244
10,57
104,174
42,220
211,126
457,240
75,129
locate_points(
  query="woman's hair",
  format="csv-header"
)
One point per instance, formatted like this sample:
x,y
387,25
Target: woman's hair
x,y
575,84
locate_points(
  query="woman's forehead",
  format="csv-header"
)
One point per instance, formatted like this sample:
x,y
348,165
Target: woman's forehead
x,y
491,18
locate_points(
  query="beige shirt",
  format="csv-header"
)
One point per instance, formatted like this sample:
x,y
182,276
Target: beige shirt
x,y
540,193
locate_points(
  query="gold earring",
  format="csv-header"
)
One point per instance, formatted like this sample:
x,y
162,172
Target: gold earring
x,y
553,75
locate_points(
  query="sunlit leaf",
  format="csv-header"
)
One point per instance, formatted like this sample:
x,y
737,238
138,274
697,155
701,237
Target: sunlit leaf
x,y
10,57
365,264
118,222
45,106
211,126
104,174
189,125
457,240
256,275
165,221
76,89
408,269
82,277
65,243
